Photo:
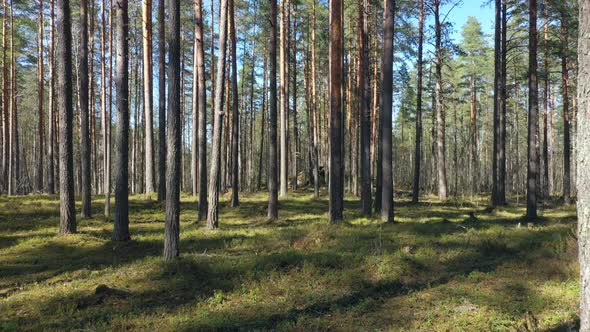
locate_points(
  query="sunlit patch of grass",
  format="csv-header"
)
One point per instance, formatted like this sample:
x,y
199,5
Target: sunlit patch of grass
x,y
445,266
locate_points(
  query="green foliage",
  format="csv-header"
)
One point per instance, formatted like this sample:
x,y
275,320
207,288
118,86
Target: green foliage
x,y
438,269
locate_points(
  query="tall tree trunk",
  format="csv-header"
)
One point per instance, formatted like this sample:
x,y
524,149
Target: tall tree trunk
x,y
162,102
202,105
566,112
386,108
364,102
583,158
473,135
235,111
533,115
51,122
440,115
148,95
294,92
273,212
41,96
65,108
263,118
314,102
497,97
214,171
502,111
545,183
84,110
335,129
121,224
283,96
5,107
418,147
173,174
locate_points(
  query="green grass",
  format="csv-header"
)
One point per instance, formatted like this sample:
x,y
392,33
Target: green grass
x,y
436,270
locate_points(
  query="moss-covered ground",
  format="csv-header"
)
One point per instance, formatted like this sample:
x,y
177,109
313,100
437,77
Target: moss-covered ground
x,y
453,266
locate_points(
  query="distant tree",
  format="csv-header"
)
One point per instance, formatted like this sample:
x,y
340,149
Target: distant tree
x,y
121,224
65,108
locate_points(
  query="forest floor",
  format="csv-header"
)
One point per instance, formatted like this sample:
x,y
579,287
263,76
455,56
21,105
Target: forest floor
x,y
439,269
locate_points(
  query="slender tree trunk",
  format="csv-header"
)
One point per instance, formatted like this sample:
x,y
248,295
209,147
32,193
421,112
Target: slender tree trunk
x,y
294,92
41,96
162,102
283,96
440,115
533,115
386,108
273,213
65,109
566,112
314,102
214,171
263,118
545,183
583,158
173,174
502,111
235,111
51,122
202,105
335,129
364,96
5,107
418,147
84,110
121,224
148,95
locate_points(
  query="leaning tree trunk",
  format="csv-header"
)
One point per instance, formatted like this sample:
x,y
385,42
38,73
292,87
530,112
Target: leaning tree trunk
x,y
65,108
215,169
121,225
386,110
533,115
335,129
583,161
84,110
172,227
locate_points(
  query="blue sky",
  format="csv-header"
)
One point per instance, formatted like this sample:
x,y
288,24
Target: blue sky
x,y
459,15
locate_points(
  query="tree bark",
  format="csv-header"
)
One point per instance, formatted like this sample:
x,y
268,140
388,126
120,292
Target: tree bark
x,y
364,102
202,110
418,147
273,213
583,160
335,129
51,121
121,224
386,108
235,111
214,171
5,102
440,115
533,115
566,113
283,97
314,102
84,111
148,95
161,101
41,96
65,108
173,174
